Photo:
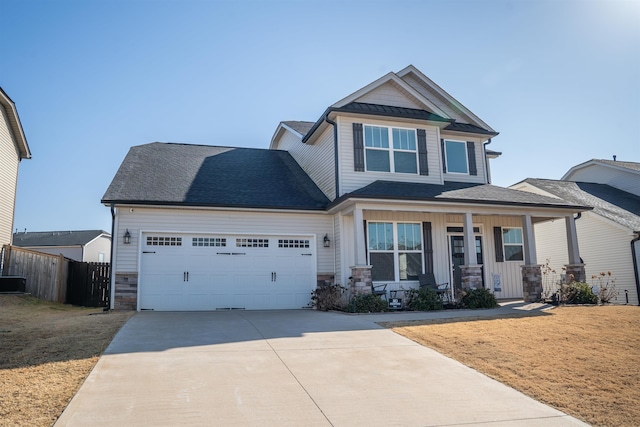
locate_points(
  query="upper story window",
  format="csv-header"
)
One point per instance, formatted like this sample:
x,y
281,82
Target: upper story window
x,y
459,157
390,149
456,156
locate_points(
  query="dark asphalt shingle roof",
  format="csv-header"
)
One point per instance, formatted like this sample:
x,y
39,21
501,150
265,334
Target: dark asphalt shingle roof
x,y
202,175
607,201
627,165
55,238
465,127
457,192
390,111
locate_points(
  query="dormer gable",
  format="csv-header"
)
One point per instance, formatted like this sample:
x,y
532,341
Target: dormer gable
x,y
297,129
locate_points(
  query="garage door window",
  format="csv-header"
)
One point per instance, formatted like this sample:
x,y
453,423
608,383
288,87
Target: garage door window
x,y
293,243
209,241
164,241
252,243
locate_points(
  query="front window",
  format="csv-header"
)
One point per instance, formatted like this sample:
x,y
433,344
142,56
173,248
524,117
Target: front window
x,y
513,246
456,157
390,149
395,251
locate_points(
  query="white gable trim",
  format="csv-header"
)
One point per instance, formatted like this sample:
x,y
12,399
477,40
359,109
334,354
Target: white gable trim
x,y
281,129
592,162
431,84
15,126
391,77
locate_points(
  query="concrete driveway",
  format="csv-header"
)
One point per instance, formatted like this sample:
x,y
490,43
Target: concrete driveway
x,y
287,368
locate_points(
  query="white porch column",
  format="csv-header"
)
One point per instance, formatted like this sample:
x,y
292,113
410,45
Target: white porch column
x,y
358,232
530,255
572,240
470,257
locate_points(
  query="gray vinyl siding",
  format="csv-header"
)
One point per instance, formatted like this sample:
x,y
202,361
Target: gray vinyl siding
x,y
604,247
623,180
351,180
218,222
337,245
389,94
317,159
8,178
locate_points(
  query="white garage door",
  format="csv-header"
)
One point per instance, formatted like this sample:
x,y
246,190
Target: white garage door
x,y
185,272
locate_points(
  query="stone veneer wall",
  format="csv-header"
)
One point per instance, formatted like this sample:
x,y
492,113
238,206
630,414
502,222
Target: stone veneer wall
x,y
471,276
326,279
575,272
126,294
531,283
360,280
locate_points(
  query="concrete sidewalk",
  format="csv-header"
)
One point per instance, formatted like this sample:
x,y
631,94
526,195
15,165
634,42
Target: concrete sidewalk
x,y
288,368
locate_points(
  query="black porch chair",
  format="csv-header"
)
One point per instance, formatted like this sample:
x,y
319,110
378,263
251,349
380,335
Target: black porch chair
x,y
428,280
380,290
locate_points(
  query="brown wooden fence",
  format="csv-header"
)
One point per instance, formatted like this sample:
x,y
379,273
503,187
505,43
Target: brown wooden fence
x,y
46,274
59,279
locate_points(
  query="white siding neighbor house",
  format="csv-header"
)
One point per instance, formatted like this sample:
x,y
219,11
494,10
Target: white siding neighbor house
x,y
78,245
609,235
389,183
13,148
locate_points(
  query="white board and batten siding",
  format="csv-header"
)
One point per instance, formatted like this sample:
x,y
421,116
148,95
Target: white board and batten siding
x,y
604,247
8,178
317,159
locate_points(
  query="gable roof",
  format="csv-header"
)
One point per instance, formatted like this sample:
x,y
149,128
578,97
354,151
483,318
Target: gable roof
x,y
15,125
457,192
299,126
609,202
632,167
204,175
56,238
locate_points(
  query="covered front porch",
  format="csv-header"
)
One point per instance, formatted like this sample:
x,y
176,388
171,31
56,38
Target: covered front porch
x,y
490,246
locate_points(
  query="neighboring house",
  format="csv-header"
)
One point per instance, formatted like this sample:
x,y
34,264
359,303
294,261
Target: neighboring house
x,y
609,235
390,182
80,245
13,148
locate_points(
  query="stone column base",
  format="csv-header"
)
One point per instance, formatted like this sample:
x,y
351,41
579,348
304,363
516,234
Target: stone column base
x,y
360,280
126,291
471,276
575,273
531,283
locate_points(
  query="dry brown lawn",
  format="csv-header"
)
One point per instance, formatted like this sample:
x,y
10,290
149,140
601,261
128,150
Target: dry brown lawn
x,y
584,361
46,352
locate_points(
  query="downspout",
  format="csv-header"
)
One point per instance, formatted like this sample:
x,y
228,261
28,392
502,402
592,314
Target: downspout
x,y
635,263
486,162
335,150
113,242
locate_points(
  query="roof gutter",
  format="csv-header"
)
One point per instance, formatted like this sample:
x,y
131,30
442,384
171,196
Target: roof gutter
x,y
113,242
635,263
486,162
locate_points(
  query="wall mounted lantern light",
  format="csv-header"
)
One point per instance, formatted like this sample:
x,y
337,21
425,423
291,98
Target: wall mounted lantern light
x,y
127,237
326,241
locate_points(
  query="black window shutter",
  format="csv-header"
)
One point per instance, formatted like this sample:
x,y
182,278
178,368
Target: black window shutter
x,y
444,160
428,247
497,240
471,154
422,152
358,148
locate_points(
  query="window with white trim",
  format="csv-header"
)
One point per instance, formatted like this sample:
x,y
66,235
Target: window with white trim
x,y
456,156
293,243
164,241
512,244
395,251
390,149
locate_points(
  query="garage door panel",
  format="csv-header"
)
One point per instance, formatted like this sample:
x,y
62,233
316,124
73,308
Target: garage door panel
x,y
265,273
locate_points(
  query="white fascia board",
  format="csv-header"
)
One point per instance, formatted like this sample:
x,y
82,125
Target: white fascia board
x,y
385,79
477,121
278,134
452,208
567,176
15,125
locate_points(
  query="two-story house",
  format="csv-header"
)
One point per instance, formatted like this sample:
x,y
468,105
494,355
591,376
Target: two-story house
x,y
390,182
609,235
13,148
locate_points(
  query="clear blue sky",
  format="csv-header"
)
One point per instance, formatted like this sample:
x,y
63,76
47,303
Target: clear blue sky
x,y
560,80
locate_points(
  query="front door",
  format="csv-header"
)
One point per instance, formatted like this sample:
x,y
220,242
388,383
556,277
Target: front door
x,y
456,247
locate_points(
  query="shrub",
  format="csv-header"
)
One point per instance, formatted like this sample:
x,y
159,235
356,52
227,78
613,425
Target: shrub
x,y
366,303
328,297
478,298
577,293
604,287
423,299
